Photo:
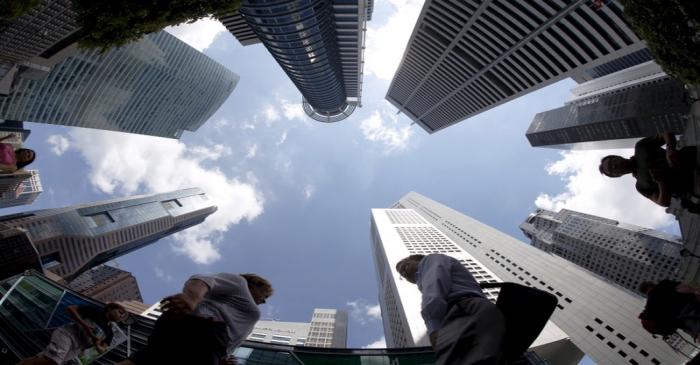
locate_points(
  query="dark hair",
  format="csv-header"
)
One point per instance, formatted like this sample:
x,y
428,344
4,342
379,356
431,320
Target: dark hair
x,y
646,286
113,306
260,282
416,258
25,163
602,161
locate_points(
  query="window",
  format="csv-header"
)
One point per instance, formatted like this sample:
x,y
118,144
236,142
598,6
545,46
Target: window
x,y
101,218
258,336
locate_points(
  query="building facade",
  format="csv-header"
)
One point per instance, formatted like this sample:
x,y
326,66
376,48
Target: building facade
x,y
318,43
623,254
615,110
157,86
72,240
465,57
107,284
18,254
328,328
16,129
599,318
27,191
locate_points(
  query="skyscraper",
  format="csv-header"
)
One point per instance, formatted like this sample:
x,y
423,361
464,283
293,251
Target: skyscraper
x,y
613,111
328,328
465,57
599,318
107,284
74,239
16,129
17,253
157,86
621,253
27,191
318,43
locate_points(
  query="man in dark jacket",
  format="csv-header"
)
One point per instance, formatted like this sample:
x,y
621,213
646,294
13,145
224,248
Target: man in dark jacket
x,y
670,306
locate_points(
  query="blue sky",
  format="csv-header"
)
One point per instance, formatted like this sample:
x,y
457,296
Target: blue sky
x,y
294,195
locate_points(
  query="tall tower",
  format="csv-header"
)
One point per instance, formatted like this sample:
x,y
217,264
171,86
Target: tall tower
x,y
74,239
465,57
613,111
27,191
319,44
623,254
599,318
157,86
107,284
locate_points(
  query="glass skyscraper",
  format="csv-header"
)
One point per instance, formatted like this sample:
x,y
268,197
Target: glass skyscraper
x,y
74,239
318,43
157,86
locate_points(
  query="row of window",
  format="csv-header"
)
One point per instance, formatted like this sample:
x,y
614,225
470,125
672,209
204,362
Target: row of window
x,y
609,331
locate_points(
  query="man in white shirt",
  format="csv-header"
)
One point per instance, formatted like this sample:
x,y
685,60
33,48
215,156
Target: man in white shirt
x,y
204,324
464,327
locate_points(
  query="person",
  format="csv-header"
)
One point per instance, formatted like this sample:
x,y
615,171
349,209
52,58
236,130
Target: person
x,y
463,326
206,322
12,160
660,173
670,306
90,328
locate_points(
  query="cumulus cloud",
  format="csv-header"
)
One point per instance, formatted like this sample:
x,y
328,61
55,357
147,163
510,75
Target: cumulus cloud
x,y
363,312
386,42
588,191
383,127
271,114
291,110
378,344
252,151
200,34
283,138
308,191
161,274
59,144
128,163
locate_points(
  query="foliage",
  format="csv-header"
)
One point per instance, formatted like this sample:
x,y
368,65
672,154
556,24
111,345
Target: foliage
x,y
109,23
12,9
671,29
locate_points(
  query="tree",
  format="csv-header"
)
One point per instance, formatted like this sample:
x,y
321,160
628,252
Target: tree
x,y
109,23
12,9
671,29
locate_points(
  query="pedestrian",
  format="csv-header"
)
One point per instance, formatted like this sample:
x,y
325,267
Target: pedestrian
x,y
670,306
90,328
205,323
463,326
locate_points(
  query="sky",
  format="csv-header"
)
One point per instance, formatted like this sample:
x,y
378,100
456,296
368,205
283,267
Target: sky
x,y
294,195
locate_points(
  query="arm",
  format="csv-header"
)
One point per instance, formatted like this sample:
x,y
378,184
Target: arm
x,y
672,156
74,312
8,169
687,289
9,136
192,294
436,279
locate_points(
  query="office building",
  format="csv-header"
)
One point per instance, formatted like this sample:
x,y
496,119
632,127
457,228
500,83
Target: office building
x,y
107,284
32,41
157,86
614,111
135,307
319,44
18,253
328,328
27,191
599,318
73,239
465,57
16,129
621,253
11,183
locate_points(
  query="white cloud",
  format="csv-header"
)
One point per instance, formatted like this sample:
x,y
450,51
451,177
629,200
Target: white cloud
x,y
200,34
283,138
291,110
59,144
252,151
588,191
386,42
383,127
271,114
128,163
161,274
309,191
364,313
378,344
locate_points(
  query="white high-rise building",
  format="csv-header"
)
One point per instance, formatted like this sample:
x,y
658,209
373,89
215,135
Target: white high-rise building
x,y
599,318
27,191
623,254
328,328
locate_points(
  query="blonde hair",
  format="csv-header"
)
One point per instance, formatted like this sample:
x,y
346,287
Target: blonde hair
x,y
260,282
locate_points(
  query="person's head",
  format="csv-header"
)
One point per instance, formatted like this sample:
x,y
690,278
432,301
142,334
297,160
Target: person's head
x,y
614,166
408,267
646,287
116,313
259,287
24,157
